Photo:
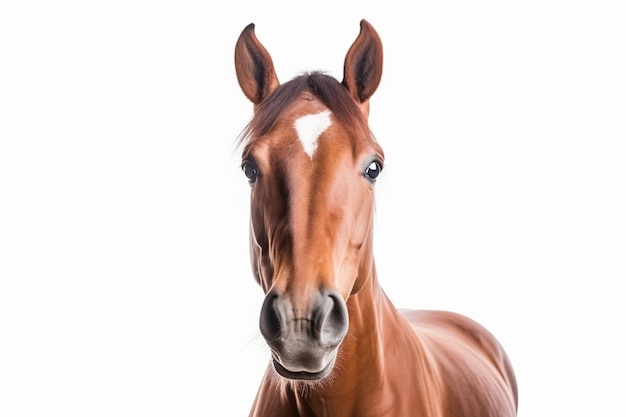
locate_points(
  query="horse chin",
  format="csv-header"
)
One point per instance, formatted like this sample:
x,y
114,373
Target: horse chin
x,y
303,375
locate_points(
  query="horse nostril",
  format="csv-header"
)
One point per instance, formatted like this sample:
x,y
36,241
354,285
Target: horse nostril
x,y
270,318
325,324
333,320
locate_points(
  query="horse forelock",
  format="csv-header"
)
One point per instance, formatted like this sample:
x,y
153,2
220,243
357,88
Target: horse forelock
x,y
325,88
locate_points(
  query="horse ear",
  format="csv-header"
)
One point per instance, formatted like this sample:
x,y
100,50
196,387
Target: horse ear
x,y
363,66
254,67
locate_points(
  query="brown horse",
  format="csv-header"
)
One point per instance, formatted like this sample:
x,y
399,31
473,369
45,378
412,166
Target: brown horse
x,y
339,346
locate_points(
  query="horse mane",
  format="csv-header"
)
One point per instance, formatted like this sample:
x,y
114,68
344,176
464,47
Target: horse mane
x,y
327,89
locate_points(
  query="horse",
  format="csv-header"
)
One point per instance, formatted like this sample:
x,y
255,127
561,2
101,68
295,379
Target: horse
x,y
339,347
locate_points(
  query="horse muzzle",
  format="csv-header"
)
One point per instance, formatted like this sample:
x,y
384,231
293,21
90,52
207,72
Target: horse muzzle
x,y
304,342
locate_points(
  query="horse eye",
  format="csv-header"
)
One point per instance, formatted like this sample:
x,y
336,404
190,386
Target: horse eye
x,y
250,171
373,171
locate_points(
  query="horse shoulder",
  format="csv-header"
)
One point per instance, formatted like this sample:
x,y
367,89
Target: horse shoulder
x,y
469,360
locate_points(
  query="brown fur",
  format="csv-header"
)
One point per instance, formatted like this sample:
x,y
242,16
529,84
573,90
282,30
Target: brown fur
x,y
311,230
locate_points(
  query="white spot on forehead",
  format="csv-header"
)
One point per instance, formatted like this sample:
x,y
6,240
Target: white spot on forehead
x,y
309,129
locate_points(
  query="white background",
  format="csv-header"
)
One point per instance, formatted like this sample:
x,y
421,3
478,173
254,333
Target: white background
x,y
125,287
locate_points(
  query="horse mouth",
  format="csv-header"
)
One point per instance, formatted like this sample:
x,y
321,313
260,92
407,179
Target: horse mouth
x,y
302,375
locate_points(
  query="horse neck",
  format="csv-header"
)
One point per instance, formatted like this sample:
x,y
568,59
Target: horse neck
x,y
373,319
368,377
363,360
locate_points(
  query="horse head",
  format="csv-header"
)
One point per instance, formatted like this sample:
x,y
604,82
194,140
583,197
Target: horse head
x,y
312,163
